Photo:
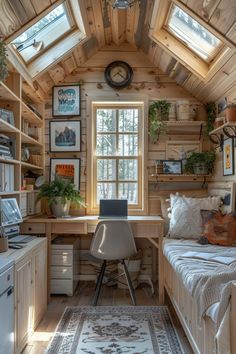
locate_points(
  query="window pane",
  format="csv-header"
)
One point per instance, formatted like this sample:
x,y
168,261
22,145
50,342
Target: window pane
x,y
128,120
106,170
106,191
46,31
129,191
128,170
106,120
128,145
106,145
193,34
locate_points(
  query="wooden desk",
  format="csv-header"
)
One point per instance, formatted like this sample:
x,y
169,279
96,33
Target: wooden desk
x,y
148,227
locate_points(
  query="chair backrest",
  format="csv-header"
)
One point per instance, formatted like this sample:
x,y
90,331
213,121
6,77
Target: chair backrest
x,y
113,240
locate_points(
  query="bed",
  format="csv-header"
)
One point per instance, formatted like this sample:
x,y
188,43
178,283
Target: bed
x,y
207,313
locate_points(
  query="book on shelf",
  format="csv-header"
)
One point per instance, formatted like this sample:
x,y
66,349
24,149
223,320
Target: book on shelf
x,y
6,177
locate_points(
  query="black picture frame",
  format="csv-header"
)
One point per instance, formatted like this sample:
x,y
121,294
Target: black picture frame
x,y
66,100
64,172
228,157
64,135
172,167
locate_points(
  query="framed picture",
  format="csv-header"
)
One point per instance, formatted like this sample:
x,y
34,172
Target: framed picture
x,y
65,135
228,157
66,101
172,167
68,169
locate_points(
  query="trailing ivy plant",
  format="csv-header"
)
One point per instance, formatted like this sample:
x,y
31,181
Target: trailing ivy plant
x,y
3,61
211,116
158,115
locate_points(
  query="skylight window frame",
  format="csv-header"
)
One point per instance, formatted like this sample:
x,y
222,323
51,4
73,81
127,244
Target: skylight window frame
x,y
72,23
175,47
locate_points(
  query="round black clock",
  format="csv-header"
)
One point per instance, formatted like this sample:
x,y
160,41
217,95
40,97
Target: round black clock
x,y
118,74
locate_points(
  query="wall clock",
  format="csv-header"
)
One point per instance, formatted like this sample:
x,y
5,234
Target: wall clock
x,y
118,74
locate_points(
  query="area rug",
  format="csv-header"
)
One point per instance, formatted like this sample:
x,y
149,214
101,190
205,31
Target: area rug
x,y
115,329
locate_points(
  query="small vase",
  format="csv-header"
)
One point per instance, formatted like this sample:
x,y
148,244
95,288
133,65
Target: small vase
x,y
59,209
200,168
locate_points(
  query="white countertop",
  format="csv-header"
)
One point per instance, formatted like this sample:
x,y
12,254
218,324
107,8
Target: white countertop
x,y
5,263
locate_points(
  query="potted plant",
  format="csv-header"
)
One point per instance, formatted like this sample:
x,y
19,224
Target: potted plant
x,y
60,194
200,163
158,115
211,116
3,61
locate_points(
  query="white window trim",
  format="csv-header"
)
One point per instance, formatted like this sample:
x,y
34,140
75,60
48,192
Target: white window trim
x,y
167,41
128,101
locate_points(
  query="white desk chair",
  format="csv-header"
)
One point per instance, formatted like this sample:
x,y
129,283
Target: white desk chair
x,y
113,240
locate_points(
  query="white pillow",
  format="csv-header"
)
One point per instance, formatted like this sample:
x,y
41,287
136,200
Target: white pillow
x,y
186,221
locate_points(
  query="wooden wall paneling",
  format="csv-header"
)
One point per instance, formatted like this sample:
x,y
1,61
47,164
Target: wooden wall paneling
x,y
41,5
118,26
9,22
203,8
224,16
79,55
45,81
69,64
29,9
98,21
19,11
231,34
130,24
107,12
57,73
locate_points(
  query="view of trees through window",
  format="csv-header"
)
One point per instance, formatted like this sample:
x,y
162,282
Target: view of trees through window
x,y
117,153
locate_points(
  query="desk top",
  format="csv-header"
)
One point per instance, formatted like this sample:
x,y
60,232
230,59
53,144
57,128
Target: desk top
x,y
93,219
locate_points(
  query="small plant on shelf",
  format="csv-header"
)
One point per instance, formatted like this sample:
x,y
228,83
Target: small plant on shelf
x,y
158,115
200,163
60,194
3,61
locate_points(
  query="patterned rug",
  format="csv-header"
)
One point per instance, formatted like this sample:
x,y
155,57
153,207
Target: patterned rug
x,y
108,330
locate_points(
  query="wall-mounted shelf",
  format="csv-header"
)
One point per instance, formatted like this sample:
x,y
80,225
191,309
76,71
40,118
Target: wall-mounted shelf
x,y
29,115
7,94
31,166
26,139
156,178
7,128
187,127
217,135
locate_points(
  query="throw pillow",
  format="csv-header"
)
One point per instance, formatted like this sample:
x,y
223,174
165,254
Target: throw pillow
x,y
185,221
219,229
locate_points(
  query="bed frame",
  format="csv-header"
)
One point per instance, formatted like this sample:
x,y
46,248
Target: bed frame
x,y
200,337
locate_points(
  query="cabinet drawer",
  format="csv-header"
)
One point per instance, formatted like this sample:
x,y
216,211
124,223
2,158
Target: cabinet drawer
x,y
32,228
62,286
61,272
63,259
69,228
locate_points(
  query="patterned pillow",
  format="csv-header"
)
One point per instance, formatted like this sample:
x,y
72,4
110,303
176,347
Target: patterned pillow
x,y
219,229
185,221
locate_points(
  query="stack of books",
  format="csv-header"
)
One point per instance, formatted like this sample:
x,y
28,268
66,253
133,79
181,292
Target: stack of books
x,y
5,147
6,177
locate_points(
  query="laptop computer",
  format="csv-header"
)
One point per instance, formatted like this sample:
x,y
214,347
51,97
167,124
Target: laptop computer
x,y
113,209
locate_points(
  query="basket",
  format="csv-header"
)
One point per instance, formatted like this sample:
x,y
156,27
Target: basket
x,y
182,107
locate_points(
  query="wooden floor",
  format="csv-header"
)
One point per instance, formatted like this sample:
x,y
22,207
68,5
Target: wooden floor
x,y
83,295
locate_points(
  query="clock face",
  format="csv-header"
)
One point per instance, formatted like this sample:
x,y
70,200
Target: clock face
x,y
118,74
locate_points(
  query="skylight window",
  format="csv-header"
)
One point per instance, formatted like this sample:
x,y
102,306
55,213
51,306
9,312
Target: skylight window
x,y
193,34
43,33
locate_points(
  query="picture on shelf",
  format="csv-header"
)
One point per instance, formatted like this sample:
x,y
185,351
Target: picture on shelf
x,y
65,136
67,169
172,166
66,101
228,157
7,116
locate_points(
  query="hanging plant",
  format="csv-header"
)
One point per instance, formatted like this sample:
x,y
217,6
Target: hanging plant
x,y
211,116
3,61
158,115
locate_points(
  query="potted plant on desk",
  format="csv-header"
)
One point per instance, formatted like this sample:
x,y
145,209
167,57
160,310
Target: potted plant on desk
x,y
60,194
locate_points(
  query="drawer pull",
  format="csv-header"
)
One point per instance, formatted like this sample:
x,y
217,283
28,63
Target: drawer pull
x,y
29,228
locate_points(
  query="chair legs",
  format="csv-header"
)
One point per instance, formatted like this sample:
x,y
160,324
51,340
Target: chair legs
x,y
99,283
130,285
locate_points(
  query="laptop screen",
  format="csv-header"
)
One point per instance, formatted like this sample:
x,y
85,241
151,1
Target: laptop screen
x,y
113,208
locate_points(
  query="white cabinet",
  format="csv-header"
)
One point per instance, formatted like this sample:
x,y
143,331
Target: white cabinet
x,y
24,290
64,265
30,292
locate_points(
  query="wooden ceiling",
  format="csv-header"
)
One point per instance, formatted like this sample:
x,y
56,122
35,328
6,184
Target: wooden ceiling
x,y
113,28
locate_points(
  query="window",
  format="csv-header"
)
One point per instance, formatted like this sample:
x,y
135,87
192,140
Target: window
x,y
43,33
118,149
193,34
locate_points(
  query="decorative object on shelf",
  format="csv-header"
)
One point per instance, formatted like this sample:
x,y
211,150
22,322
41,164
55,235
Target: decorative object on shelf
x,y
200,163
222,104
118,74
65,135
3,61
25,154
158,115
172,112
60,193
179,149
172,167
40,180
7,116
158,167
182,108
36,159
123,4
6,148
66,100
67,169
230,113
228,157
211,116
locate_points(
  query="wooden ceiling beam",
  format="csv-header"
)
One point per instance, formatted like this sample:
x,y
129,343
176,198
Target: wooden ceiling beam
x,y
118,26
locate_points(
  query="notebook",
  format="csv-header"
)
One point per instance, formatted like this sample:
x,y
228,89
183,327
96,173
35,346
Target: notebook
x,y
113,209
